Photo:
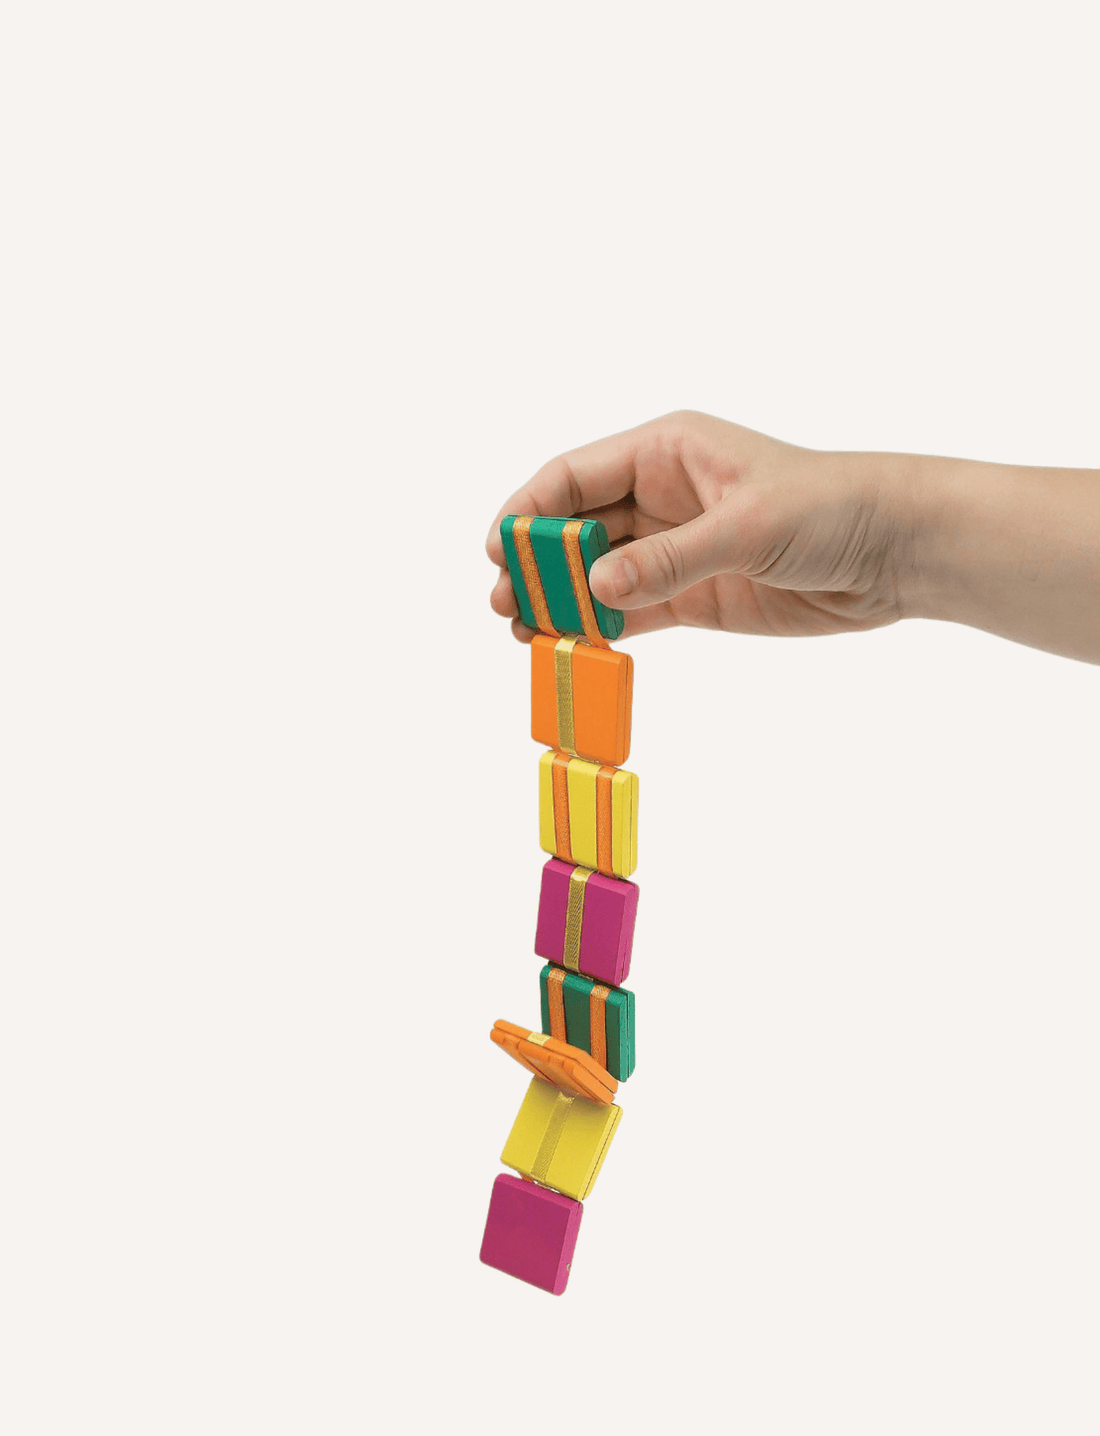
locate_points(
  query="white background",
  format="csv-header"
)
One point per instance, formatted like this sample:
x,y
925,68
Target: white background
x,y
292,297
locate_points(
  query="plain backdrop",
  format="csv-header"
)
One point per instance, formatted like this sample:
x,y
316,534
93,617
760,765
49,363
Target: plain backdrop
x,y
291,298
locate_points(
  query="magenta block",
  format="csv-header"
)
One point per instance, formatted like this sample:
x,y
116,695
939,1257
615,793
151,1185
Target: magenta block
x,y
607,931
530,1233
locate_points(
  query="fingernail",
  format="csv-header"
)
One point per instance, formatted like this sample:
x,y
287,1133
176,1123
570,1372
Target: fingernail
x,y
621,575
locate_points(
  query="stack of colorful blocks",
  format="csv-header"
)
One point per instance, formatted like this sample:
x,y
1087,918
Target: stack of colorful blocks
x,y
581,695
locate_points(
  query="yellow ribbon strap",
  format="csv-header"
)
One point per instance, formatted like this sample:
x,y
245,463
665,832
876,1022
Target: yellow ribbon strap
x,y
548,1073
563,681
574,918
555,1126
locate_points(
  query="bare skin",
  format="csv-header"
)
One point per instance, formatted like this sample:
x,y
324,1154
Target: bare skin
x,y
716,526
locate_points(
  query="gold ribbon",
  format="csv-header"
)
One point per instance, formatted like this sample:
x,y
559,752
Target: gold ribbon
x,y
574,917
604,820
555,1126
563,682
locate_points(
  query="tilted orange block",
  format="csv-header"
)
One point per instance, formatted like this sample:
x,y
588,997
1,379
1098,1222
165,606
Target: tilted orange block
x,y
569,1068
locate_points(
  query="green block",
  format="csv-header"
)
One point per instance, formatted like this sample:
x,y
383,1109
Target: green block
x,y
553,567
619,1010
578,1014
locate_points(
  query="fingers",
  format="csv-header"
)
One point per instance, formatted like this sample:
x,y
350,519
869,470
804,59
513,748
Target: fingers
x,y
597,481
654,569
521,631
649,620
591,477
502,600
618,519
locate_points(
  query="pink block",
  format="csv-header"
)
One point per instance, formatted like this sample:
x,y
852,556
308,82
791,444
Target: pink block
x,y
607,931
530,1233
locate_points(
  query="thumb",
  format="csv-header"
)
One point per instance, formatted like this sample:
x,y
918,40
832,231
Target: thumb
x,y
654,569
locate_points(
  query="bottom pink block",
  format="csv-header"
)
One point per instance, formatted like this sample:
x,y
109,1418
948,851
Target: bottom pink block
x,y
531,1232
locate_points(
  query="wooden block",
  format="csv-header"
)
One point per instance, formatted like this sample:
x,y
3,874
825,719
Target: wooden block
x,y
588,814
560,1141
555,1061
531,1233
576,1009
586,923
549,560
581,699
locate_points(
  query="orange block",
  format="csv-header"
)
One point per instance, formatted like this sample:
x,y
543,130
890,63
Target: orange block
x,y
555,1061
589,690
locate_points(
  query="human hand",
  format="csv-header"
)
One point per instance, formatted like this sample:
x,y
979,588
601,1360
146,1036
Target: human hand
x,y
715,526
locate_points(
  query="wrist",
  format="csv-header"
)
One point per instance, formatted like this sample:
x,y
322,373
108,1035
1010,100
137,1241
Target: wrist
x,y
928,522
939,511
899,495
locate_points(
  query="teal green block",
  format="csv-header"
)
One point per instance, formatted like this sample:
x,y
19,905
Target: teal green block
x,y
619,1010
578,1016
553,567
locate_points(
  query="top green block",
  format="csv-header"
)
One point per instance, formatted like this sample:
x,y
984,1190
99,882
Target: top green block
x,y
548,552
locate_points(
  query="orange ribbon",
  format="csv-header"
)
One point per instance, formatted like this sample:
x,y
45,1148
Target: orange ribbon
x,y
571,542
554,980
603,818
560,776
521,535
597,1023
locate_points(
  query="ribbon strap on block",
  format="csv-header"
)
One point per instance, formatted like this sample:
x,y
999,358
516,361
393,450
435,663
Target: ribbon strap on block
x,y
574,918
571,542
521,536
549,1074
560,775
554,980
597,1023
540,1167
563,683
604,779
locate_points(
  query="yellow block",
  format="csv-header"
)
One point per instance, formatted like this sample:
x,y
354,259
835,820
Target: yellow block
x,y
546,802
624,822
560,1141
582,811
581,789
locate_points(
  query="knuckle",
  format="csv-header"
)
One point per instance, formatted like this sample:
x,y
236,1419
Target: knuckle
x,y
665,564
570,486
680,421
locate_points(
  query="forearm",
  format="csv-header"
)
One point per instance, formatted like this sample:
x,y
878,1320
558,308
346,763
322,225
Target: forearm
x,y
1015,551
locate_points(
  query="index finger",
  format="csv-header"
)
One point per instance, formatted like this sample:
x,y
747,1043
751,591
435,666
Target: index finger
x,y
586,478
